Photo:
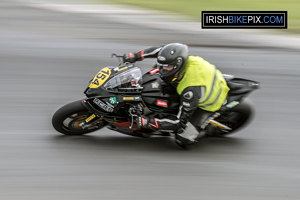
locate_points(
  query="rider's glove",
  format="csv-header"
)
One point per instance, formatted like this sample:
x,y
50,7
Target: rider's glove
x,y
144,122
132,57
129,57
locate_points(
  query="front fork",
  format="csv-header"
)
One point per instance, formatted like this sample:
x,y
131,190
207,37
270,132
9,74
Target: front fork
x,y
90,121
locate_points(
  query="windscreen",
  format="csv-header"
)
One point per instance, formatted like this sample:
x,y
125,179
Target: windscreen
x,y
127,79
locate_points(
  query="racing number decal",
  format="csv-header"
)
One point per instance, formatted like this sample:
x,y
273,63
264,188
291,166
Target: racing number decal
x,y
100,78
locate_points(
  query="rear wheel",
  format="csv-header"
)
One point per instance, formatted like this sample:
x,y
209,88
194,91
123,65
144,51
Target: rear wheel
x,y
235,118
68,118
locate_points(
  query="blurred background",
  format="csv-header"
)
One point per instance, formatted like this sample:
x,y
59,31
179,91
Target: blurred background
x,y
50,49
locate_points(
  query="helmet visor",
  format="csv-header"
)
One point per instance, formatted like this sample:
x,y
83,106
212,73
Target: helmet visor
x,y
166,67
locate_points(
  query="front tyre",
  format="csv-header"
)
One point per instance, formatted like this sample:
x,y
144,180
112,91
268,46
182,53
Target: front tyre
x,y
66,119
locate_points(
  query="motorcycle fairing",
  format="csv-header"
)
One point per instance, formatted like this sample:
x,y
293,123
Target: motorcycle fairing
x,y
100,78
157,95
239,89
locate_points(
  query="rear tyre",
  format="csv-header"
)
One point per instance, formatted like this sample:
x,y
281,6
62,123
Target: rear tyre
x,y
236,118
66,119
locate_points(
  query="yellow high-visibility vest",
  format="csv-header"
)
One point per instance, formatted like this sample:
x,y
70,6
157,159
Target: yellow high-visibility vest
x,y
199,72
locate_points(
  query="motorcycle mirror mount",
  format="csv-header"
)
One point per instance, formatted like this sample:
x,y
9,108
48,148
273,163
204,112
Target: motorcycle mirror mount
x,y
120,58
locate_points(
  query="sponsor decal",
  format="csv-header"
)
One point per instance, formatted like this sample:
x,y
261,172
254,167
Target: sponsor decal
x,y
232,104
155,85
100,78
90,118
105,106
113,100
162,103
122,68
135,98
128,98
153,71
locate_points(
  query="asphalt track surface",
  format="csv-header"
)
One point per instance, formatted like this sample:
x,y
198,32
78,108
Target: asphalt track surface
x,y
46,61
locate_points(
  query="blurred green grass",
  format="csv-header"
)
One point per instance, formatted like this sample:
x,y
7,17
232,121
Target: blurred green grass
x,y
193,8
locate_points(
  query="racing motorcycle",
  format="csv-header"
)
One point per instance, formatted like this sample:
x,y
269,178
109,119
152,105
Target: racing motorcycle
x,y
117,95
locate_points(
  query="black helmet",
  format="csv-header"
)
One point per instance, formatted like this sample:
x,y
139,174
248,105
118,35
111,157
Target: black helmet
x,y
174,57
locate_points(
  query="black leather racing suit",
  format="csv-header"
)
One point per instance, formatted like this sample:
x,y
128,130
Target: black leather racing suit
x,y
188,111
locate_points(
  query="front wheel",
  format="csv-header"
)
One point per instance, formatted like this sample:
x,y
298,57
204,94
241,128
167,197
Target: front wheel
x,y
68,118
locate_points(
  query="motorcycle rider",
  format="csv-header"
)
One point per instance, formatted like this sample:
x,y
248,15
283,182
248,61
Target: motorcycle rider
x,y
201,87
